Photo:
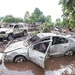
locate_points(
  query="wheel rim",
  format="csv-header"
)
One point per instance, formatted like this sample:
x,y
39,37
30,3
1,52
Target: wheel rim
x,y
20,60
69,53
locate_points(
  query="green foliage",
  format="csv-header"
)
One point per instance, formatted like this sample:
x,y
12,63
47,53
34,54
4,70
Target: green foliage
x,y
37,16
68,8
37,12
46,27
34,32
1,18
11,19
59,22
26,17
48,18
18,20
63,23
26,21
72,23
33,18
41,18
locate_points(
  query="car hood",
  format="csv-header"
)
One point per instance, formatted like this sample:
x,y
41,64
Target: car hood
x,y
14,46
4,29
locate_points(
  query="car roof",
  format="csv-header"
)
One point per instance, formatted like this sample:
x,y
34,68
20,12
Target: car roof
x,y
41,35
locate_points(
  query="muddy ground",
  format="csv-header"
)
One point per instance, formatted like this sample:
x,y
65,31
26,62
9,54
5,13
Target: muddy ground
x,y
53,66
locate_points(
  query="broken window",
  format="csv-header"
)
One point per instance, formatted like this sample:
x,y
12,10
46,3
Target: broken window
x,y
42,46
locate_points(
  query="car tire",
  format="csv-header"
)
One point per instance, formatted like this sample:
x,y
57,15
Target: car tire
x,y
69,53
19,59
10,37
24,33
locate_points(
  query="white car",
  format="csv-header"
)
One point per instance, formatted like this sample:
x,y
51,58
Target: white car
x,y
13,30
55,45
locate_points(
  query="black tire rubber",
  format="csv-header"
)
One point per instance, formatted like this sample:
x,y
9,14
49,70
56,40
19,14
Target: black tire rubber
x,y
24,33
10,37
19,59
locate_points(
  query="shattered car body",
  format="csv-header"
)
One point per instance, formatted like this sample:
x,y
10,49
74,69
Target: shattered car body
x,y
55,45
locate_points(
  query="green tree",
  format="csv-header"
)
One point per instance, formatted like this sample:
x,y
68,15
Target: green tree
x,y
11,19
46,27
37,12
16,20
26,17
68,8
1,19
48,18
37,16
41,18
58,22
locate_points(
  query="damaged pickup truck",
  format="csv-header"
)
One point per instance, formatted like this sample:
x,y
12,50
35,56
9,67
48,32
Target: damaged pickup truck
x,y
38,48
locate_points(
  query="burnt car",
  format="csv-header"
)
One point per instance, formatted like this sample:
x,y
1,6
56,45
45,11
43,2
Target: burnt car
x,y
30,49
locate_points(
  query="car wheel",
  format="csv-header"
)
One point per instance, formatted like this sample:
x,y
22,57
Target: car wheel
x,y
69,53
19,59
10,37
24,33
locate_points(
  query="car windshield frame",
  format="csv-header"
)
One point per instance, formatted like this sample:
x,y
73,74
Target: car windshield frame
x,y
11,26
30,40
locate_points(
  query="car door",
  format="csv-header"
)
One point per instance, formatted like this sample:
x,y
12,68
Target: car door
x,y
37,56
16,29
60,47
20,28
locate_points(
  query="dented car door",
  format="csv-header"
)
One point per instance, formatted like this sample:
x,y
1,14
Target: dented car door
x,y
37,56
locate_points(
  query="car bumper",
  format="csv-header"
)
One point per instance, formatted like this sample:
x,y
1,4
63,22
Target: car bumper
x,y
3,35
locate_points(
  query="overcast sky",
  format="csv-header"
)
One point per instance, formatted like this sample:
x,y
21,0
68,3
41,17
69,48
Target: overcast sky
x,y
17,8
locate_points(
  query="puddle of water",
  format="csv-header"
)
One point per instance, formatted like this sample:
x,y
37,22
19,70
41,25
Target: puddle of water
x,y
25,68
60,66
54,66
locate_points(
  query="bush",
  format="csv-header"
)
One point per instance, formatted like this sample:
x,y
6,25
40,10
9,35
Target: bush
x,y
34,32
46,27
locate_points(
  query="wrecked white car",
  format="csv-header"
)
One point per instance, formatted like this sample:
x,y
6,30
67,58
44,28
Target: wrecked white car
x,y
38,47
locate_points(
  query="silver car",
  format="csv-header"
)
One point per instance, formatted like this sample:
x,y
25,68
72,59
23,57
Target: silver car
x,y
13,30
30,49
